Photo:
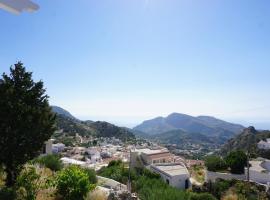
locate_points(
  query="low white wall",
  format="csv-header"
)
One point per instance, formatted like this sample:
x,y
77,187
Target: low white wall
x,y
212,176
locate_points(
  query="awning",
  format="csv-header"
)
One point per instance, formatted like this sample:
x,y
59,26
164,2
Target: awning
x,y
18,6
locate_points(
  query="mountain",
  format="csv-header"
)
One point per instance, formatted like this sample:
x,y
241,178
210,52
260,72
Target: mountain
x,y
205,125
60,111
180,137
71,126
247,141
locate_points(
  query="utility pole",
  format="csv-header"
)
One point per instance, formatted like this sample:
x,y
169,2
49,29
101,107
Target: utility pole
x,y
248,166
129,181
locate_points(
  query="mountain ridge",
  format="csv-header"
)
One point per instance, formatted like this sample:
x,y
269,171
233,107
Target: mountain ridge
x,y
206,125
70,125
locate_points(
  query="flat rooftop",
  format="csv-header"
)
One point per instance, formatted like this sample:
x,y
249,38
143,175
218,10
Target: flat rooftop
x,y
171,169
152,151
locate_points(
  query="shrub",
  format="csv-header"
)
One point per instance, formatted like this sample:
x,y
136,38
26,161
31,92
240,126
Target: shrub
x,y
51,161
91,175
215,163
237,161
115,163
73,183
202,196
28,184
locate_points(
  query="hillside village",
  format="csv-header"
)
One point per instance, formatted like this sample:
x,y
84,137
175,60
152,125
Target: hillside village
x,y
120,163
134,100
177,171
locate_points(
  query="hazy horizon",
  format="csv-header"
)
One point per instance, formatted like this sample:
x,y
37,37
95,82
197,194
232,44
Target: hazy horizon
x,y
128,61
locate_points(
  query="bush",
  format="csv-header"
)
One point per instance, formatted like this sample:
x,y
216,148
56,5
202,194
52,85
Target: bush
x,y
28,184
52,162
237,161
115,163
153,189
91,175
202,196
215,163
73,183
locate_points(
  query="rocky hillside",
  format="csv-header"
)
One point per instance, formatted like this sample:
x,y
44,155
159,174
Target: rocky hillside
x,y
71,126
247,141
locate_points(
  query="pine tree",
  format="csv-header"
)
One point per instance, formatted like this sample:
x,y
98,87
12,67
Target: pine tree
x,y
26,120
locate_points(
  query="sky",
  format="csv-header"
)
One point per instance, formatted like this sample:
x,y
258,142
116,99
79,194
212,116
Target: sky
x,y
125,61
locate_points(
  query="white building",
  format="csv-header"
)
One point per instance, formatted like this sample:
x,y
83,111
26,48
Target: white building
x,y
264,144
70,161
153,156
175,174
259,171
57,148
94,155
47,148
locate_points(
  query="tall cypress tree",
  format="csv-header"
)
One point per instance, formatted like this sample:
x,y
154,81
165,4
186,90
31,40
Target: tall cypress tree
x,y
26,120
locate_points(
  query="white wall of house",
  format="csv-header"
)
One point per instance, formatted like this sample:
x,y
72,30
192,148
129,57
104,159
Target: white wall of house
x,y
177,181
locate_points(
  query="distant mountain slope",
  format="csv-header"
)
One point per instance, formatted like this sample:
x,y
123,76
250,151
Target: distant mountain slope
x,y
60,111
247,141
180,137
206,125
71,126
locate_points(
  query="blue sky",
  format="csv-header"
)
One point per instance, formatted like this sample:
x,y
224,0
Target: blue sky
x,y
125,61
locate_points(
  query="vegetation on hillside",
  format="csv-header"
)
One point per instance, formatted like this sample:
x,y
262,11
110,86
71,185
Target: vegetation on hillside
x,y
235,161
233,190
148,185
72,126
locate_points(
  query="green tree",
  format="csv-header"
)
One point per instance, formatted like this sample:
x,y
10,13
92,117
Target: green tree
x,y
73,183
215,163
26,120
237,161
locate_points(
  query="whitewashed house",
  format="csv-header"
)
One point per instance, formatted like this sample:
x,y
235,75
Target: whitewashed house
x,y
57,148
264,144
93,155
174,174
259,171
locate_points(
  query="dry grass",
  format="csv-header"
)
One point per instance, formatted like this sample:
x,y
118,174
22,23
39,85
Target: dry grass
x,y
198,173
96,195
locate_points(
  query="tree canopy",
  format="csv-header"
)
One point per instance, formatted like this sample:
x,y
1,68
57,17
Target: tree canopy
x,y
236,160
26,120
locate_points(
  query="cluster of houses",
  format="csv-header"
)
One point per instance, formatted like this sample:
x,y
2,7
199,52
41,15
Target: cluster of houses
x,y
171,168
